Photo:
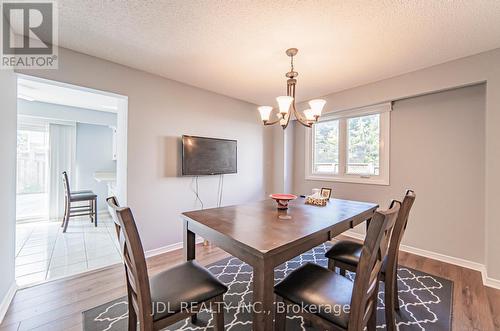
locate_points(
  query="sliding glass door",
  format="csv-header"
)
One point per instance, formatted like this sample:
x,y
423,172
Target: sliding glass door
x,y
32,171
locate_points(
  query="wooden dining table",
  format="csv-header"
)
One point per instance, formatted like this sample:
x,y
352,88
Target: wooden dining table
x,y
258,234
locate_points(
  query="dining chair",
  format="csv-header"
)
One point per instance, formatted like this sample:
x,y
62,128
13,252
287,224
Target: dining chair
x,y
345,255
71,197
332,301
113,201
183,289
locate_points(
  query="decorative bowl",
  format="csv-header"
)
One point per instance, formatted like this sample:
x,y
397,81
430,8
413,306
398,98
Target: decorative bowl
x,y
283,199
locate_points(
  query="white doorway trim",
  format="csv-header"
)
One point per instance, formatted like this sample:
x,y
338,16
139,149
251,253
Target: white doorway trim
x,y
32,88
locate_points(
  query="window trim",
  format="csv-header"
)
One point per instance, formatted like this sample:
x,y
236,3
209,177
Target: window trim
x,y
384,111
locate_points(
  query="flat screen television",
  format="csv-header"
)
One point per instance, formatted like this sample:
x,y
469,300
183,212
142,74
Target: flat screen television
x,y
208,156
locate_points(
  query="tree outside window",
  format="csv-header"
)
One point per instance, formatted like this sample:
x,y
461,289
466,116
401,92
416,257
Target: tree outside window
x,y
326,147
363,154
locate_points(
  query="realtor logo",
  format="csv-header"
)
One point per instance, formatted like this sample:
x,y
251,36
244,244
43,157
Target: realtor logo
x,y
29,35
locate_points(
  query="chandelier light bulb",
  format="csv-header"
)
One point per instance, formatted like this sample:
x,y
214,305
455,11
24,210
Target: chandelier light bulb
x,y
283,122
265,112
284,103
317,106
309,114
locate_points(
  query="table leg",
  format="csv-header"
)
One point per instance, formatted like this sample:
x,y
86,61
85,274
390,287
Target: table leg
x,y
263,297
189,243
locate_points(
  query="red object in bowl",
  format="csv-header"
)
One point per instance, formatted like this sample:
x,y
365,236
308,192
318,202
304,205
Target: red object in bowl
x,y
283,199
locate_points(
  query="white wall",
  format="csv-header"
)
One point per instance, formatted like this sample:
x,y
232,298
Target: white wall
x,y
8,128
289,151
61,112
278,156
94,151
437,149
160,111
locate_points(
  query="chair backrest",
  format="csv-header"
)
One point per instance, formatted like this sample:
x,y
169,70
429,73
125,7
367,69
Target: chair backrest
x,y
398,232
67,191
113,201
375,247
402,221
113,204
139,294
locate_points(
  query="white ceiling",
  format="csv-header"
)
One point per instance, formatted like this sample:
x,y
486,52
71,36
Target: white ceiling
x,y
237,48
36,90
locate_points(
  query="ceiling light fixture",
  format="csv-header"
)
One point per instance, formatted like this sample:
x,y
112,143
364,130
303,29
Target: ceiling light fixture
x,y
285,103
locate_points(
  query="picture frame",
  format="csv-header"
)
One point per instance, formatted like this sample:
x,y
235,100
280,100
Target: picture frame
x,y
326,192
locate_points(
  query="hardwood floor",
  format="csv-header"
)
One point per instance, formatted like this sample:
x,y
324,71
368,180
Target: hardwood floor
x,y
58,305
494,299
473,303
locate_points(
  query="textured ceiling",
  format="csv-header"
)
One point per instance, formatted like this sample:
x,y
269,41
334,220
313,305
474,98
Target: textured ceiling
x,y
237,48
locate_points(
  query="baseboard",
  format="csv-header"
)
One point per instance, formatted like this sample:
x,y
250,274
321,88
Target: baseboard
x,y
4,305
168,248
490,282
354,235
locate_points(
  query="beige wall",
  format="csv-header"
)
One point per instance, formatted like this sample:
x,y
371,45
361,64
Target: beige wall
x,y
437,149
160,111
8,141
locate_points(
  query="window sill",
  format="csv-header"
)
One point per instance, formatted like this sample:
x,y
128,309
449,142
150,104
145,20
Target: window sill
x,y
354,180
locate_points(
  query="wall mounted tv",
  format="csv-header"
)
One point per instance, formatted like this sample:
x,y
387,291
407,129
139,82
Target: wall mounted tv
x,y
208,156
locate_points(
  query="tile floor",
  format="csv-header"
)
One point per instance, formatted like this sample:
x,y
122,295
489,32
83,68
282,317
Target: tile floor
x,y
32,206
43,252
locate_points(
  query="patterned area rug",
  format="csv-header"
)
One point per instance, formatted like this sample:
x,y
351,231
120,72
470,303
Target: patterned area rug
x,y
426,300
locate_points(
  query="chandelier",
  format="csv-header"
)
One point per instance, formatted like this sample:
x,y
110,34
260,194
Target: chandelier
x,y
286,104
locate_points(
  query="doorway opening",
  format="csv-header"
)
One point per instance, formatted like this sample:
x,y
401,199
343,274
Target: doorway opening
x,y
81,132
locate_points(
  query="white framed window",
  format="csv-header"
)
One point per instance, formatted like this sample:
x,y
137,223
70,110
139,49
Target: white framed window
x,y
350,146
